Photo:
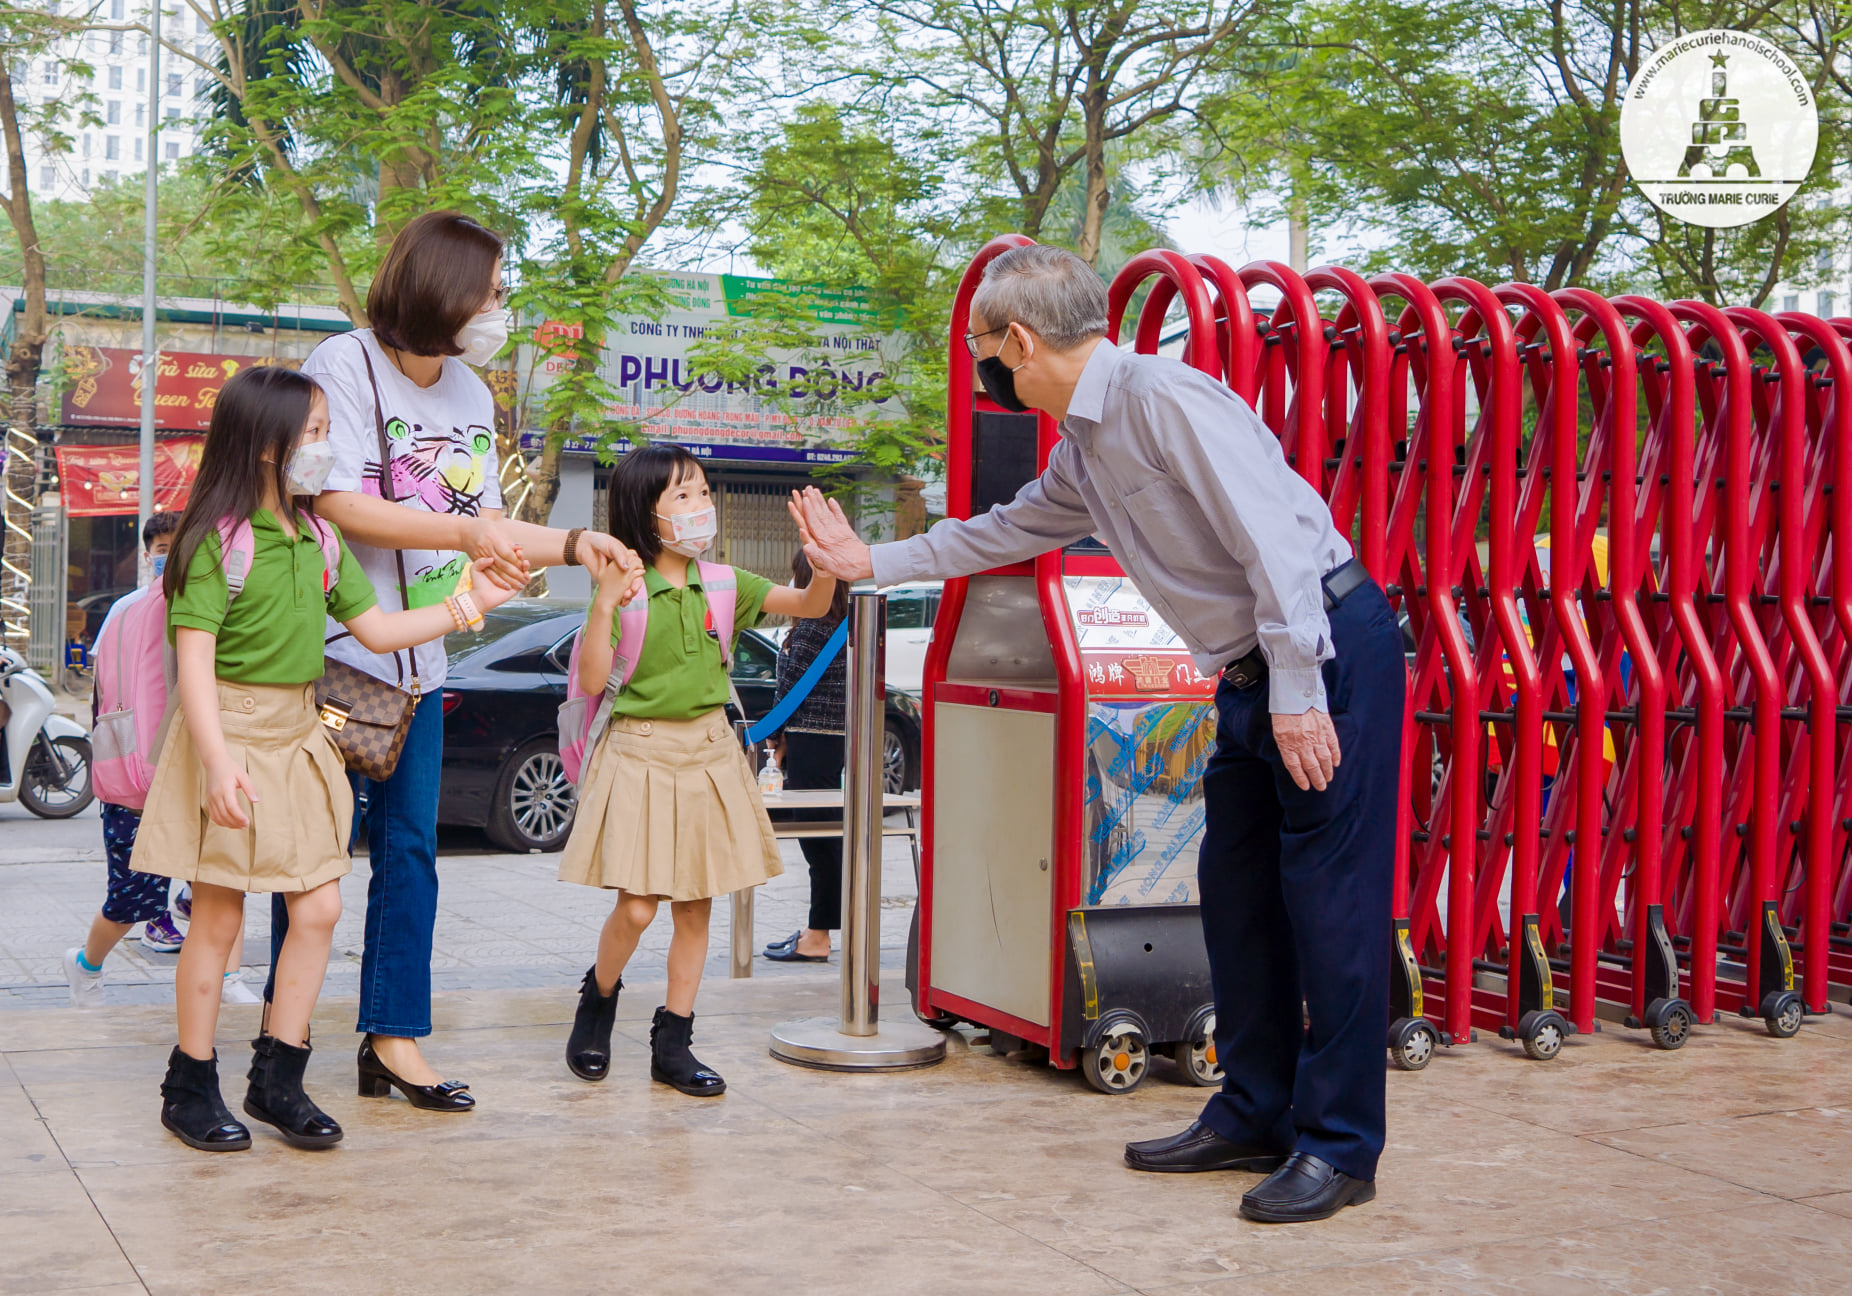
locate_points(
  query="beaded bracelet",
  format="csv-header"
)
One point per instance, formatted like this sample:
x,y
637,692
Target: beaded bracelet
x,y
455,609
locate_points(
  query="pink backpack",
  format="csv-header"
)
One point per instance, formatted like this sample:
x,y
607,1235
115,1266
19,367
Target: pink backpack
x,y
134,670
582,721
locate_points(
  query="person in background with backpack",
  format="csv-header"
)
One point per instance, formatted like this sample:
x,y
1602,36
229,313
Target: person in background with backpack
x,y
812,758
249,792
132,897
668,807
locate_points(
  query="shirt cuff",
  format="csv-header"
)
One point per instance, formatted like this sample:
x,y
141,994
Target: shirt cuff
x,y
896,562
1294,692
194,621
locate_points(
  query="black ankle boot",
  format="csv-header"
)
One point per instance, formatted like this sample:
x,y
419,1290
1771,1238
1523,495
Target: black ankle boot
x,y
193,1110
672,1063
588,1048
276,1097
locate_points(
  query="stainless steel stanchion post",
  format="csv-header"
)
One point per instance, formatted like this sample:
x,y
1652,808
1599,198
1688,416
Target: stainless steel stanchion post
x,y
741,965
859,1040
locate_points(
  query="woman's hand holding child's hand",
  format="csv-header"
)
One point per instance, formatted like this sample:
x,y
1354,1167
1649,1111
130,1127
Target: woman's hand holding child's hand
x,y
223,785
621,577
599,552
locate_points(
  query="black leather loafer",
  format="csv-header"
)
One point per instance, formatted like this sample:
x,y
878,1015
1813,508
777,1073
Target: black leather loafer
x,y
1197,1149
1305,1189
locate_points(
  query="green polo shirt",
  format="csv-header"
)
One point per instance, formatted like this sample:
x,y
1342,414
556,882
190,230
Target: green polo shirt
x,y
273,631
680,673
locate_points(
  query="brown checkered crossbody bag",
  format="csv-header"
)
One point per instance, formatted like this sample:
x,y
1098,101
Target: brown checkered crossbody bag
x,y
367,717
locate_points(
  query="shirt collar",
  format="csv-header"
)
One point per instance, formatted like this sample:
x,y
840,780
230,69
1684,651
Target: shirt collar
x,y
654,582
1088,403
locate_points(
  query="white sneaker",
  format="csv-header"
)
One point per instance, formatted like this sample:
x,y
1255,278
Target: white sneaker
x,y
86,987
235,991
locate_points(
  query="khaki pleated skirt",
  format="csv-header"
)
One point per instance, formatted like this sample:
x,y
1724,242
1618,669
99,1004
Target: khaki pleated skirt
x,y
669,808
300,821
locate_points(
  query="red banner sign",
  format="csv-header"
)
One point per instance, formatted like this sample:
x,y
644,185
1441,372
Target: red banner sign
x,y
104,481
103,386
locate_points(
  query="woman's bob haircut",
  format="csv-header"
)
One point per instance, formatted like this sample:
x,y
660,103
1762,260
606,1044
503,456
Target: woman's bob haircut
x,y
435,278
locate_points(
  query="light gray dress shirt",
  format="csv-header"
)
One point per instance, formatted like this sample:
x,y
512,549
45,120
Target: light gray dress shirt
x,y
1192,493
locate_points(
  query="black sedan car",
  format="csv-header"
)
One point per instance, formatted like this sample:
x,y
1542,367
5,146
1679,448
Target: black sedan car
x,y
502,770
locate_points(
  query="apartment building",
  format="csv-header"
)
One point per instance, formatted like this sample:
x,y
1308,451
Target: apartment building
x,y
115,90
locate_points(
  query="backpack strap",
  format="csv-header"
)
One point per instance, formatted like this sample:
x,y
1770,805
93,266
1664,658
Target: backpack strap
x,y
632,626
331,551
721,590
236,546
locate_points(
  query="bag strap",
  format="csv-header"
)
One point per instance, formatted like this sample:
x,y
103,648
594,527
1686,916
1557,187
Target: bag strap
x,y
720,588
772,721
385,493
237,544
632,628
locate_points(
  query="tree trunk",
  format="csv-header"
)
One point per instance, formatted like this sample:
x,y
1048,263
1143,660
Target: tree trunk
x,y
23,362
1098,196
543,478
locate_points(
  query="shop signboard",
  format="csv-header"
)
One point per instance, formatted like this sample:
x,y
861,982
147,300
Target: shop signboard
x,y
103,386
801,408
105,481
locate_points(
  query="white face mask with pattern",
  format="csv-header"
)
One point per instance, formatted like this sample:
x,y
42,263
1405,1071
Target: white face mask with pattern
x,y
692,532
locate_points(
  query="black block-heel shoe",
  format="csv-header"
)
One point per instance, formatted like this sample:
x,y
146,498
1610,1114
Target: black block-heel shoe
x,y
378,1081
588,1048
192,1108
276,1096
672,1063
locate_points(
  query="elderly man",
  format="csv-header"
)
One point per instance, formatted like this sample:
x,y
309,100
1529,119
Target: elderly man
x,y
1238,554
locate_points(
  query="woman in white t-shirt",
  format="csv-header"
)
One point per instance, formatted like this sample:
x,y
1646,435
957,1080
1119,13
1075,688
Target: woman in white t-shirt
x,y
435,308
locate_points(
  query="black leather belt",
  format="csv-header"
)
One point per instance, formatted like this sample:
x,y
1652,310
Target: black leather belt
x,y
1339,583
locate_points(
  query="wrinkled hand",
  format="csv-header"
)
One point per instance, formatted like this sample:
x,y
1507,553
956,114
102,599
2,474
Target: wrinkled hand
x,y
1308,748
829,541
488,538
604,554
222,788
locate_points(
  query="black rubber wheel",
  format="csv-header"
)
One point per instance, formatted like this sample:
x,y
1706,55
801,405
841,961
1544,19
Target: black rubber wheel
x,y
1669,1022
534,800
1195,1057
1543,1033
46,793
1118,1061
1412,1042
1783,1012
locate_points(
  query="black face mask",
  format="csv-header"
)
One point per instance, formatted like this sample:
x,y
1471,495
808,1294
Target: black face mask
x,y
1000,383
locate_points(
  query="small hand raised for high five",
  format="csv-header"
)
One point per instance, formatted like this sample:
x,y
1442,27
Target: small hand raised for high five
x,y
829,541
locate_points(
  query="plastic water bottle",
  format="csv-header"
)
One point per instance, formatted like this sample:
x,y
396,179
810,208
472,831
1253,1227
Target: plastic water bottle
x,y
771,778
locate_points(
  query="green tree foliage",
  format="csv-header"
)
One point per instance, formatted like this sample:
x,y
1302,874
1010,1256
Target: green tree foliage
x,y
1482,137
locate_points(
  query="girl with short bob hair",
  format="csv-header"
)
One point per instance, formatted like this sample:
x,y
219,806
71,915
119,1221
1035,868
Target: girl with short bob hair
x,y
669,809
249,793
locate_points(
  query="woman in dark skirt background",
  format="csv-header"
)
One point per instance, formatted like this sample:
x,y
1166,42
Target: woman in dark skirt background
x,y
812,758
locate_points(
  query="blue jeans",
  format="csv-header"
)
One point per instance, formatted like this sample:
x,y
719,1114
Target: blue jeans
x,y
401,822
1295,906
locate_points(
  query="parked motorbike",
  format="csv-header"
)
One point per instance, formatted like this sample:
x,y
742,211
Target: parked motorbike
x,y
44,757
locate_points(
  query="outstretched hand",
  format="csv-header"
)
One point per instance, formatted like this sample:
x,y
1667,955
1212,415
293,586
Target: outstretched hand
x,y
829,541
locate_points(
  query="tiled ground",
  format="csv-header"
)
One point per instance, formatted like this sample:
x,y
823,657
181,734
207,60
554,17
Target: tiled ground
x,y
1725,1167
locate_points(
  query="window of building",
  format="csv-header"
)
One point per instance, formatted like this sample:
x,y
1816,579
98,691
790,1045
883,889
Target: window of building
x,y
1823,261
86,144
138,148
1828,305
51,72
115,10
109,176
83,177
48,177
112,112
1792,302
171,114
172,153
141,45
141,114
115,42
115,78
112,146
173,84
141,77
202,86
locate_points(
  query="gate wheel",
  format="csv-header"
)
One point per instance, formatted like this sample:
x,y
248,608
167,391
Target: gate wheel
x,y
1782,1013
1543,1033
1412,1042
1117,1063
1669,1021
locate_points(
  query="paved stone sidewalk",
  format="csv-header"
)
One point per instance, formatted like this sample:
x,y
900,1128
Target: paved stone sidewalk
x,y
504,921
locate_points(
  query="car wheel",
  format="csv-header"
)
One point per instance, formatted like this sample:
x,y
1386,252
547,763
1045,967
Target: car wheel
x,y
899,762
534,800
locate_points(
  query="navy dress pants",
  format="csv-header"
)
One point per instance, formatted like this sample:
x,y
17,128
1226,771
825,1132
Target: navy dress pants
x,y
1295,907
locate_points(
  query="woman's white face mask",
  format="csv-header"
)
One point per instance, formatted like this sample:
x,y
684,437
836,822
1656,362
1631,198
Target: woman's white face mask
x,y
483,336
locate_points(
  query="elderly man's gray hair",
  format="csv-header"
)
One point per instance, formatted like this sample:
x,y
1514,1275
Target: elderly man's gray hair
x,y
1048,290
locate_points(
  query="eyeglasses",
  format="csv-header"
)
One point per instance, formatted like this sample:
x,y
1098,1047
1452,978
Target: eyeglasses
x,y
971,339
500,294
